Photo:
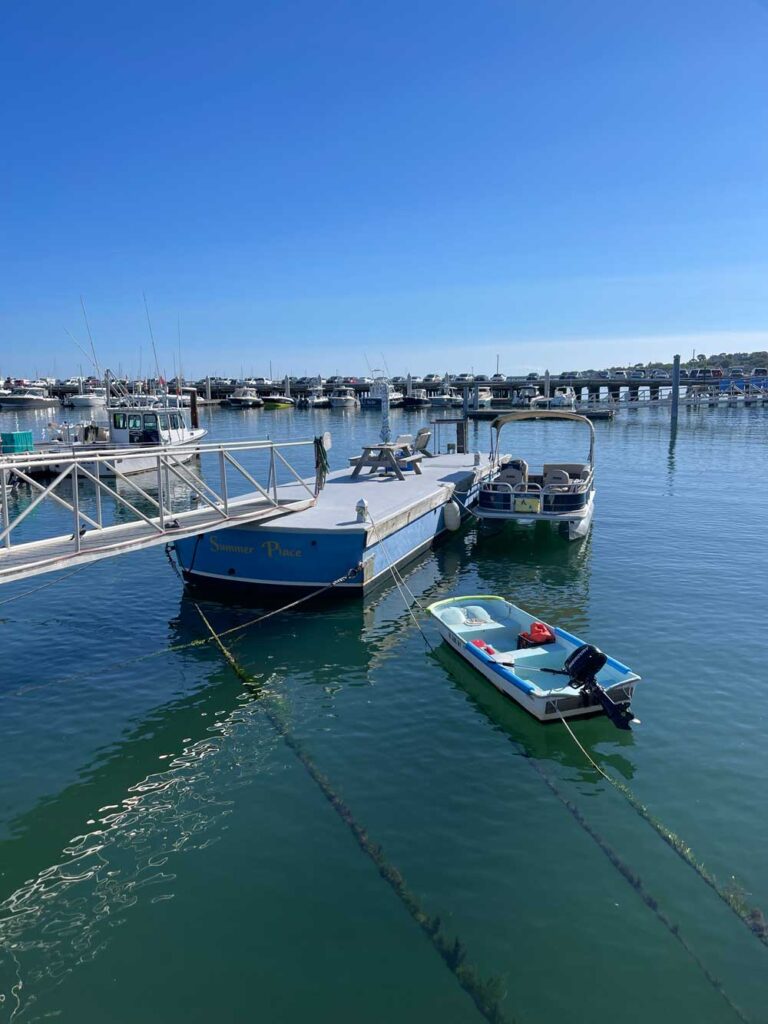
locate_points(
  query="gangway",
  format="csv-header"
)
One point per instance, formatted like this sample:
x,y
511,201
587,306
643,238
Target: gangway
x,y
88,493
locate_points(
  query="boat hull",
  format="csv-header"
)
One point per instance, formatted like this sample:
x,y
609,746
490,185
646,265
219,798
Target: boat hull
x,y
330,544
183,452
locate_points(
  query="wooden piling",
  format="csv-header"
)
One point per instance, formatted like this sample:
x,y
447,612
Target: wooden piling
x,y
675,389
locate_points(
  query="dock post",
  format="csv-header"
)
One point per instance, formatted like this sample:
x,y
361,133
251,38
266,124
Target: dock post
x,y
207,389
675,389
547,384
465,411
194,418
476,397
461,436
4,503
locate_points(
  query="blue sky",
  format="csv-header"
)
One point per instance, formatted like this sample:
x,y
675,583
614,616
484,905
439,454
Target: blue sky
x,y
561,183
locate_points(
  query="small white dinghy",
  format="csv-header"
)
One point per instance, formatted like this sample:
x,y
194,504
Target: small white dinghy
x,y
522,656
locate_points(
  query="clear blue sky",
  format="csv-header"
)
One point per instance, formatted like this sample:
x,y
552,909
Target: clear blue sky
x,y
563,183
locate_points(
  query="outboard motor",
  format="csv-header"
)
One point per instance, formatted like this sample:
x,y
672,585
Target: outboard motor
x,y
582,667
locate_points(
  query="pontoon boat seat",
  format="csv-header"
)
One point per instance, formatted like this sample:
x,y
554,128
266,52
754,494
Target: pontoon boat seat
x,y
513,473
575,470
556,478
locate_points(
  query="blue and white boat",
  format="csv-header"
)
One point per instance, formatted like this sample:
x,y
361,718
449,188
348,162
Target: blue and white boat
x,y
359,528
559,493
546,670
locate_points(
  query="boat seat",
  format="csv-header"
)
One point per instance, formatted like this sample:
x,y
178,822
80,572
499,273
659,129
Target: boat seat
x,y
575,470
469,618
513,473
556,478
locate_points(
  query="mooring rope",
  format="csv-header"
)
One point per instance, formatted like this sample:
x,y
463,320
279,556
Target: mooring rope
x,y
752,917
485,993
50,583
399,581
633,879
198,642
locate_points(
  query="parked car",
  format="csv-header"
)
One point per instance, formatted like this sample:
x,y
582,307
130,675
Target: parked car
x,y
660,375
262,382
760,371
482,378
716,373
737,371
464,378
532,376
619,374
603,375
499,378
433,378
637,375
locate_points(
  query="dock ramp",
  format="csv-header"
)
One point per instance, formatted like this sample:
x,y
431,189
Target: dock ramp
x,y
67,508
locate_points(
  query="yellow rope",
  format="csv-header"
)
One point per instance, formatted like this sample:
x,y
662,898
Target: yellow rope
x,y
752,917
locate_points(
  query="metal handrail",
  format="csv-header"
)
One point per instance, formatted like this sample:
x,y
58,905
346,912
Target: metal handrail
x,y
168,462
102,451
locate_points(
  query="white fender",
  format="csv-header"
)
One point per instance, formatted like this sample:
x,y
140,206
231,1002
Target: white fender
x,y
452,516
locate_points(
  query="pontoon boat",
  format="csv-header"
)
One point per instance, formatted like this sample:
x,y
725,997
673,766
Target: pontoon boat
x,y
562,493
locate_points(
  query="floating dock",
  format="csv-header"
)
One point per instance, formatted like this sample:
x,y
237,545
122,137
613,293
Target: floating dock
x,y
335,541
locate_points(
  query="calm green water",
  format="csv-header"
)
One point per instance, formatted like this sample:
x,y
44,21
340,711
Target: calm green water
x,y
166,857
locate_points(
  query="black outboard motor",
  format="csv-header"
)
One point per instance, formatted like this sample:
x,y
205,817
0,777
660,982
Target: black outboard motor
x,y
582,667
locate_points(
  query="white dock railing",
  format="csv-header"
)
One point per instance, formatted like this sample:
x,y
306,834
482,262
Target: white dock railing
x,y
150,479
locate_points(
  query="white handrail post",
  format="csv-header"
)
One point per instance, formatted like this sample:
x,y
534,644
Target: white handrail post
x,y
6,513
273,472
99,519
75,504
223,476
160,495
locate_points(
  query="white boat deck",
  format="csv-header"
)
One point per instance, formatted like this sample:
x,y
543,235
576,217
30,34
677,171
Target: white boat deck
x,y
391,502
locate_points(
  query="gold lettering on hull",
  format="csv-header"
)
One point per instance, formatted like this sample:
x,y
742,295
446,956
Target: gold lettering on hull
x,y
272,548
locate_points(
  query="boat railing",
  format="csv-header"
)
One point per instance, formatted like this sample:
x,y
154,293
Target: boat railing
x,y
223,486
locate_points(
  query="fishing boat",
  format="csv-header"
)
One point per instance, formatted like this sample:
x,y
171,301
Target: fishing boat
x,y
276,400
447,398
150,428
484,397
546,670
245,398
315,398
344,398
560,493
417,399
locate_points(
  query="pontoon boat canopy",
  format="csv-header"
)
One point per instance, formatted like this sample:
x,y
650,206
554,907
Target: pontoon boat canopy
x,y
544,414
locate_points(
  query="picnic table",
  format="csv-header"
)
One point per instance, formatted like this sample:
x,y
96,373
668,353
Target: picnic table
x,y
384,456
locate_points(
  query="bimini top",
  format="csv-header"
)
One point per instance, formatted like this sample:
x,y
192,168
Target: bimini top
x,y
545,414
